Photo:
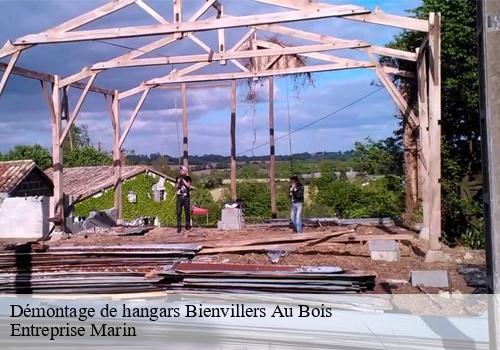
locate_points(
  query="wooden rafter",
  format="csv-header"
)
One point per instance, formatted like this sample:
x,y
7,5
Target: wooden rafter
x,y
73,23
376,16
85,73
355,44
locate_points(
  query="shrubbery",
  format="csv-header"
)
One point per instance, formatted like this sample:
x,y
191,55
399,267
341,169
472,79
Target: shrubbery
x,y
355,199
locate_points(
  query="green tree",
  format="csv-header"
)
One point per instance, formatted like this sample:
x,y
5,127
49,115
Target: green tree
x,y
86,156
39,154
460,103
78,151
384,157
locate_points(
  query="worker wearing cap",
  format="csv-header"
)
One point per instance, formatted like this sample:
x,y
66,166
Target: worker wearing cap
x,y
182,190
296,192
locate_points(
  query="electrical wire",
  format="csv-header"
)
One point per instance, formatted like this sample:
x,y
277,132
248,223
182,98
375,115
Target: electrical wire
x,y
314,121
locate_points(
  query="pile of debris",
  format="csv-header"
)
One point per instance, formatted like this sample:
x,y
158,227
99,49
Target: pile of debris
x,y
475,276
234,278
35,268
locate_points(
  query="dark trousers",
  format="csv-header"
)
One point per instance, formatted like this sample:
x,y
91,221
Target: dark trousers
x,y
183,202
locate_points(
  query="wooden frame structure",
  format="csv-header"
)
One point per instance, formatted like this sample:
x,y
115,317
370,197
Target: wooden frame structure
x,y
427,59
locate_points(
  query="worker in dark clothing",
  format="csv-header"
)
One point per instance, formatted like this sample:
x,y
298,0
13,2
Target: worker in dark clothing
x,y
182,190
296,192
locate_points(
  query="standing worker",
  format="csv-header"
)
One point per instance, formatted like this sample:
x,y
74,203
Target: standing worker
x,y
182,188
296,192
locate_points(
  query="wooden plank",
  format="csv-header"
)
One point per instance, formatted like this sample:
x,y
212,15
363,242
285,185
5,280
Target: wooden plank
x,y
8,71
346,239
58,203
376,16
117,163
185,146
278,238
133,116
178,16
233,140
77,108
219,56
435,130
205,25
272,156
423,165
245,75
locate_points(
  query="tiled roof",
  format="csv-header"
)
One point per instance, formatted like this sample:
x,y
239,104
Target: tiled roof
x,y
13,172
83,182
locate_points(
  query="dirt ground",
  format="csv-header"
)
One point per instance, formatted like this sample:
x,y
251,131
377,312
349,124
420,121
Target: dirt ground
x,y
392,277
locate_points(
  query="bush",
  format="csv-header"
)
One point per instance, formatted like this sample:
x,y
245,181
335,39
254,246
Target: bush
x,y
345,199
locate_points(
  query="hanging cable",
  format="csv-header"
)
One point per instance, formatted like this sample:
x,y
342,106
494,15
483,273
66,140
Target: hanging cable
x,y
316,120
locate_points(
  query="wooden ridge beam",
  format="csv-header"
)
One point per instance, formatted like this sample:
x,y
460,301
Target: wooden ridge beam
x,y
157,29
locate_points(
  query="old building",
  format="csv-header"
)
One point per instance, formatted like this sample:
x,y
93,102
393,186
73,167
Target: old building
x,y
25,192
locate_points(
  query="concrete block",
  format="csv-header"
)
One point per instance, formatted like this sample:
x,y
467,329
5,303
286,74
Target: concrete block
x,y
383,246
436,278
385,256
24,217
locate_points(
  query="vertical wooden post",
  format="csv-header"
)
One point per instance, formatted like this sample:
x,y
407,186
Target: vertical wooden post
x,y
435,253
57,157
272,160
424,154
185,156
117,161
178,16
233,140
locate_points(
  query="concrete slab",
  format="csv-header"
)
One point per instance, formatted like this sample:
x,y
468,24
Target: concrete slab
x,y
436,278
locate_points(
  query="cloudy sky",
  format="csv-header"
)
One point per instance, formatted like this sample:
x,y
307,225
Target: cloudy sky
x,y
24,117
